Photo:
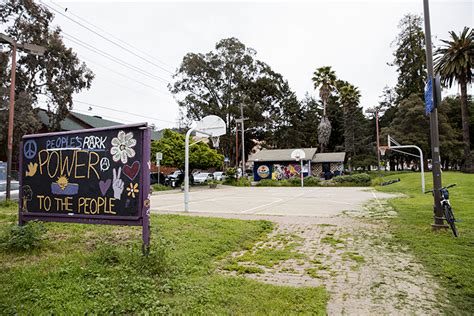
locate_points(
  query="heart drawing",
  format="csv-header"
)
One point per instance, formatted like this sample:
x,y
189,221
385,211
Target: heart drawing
x,y
131,171
104,186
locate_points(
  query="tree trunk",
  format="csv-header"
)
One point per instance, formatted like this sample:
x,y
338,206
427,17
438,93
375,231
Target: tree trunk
x,y
467,167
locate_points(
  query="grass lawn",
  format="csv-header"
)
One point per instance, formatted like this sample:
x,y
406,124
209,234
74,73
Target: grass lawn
x,y
450,260
100,270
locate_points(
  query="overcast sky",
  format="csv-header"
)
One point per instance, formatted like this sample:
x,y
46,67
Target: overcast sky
x,y
294,38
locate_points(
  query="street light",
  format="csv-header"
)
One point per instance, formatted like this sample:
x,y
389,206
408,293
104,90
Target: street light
x,y
32,49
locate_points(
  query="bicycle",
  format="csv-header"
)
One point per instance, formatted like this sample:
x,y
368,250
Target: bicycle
x,y
447,210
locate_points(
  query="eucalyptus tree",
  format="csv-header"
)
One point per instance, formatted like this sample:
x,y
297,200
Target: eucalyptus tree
x,y
454,62
230,76
56,75
324,79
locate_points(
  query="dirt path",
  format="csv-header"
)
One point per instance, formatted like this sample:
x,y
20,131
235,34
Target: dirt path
x,y
350,255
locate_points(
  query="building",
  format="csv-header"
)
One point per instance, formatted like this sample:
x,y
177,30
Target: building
x,y
76,121
323,163
277,164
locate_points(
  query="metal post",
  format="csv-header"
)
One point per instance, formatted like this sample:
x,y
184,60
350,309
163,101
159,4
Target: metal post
x,y
436,163
159,170
10,121
236,145
377,135
301,172
243,141
186,170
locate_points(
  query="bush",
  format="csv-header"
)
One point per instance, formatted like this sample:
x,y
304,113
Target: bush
x,y
23,238
160,187
311,181
242,182
360,179
293,182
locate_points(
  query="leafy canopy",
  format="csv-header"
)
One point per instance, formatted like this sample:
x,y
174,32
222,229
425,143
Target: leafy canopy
x,y
171,145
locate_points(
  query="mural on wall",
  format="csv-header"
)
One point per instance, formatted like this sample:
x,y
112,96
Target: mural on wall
x,y
263,171
281,171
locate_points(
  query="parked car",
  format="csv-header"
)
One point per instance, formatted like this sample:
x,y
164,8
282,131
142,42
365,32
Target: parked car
x,y
203,177
154,178
175,179
219,175
14,191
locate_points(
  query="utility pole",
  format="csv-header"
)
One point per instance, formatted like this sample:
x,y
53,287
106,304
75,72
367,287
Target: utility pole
x,y
32,49
376,111
434,133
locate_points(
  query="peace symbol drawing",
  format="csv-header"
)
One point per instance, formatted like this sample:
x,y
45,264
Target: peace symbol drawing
x,y
30,148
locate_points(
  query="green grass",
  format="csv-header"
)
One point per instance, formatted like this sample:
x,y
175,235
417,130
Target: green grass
x,y
96,269
331,240
270,256
450,260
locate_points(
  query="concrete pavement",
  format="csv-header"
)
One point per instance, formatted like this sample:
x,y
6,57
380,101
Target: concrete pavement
x,y
282,201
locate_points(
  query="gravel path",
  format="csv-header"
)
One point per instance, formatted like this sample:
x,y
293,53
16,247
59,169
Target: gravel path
x,y
351,256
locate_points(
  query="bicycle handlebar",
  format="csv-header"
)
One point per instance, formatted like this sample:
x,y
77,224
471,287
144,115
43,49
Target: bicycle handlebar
x,y
446,187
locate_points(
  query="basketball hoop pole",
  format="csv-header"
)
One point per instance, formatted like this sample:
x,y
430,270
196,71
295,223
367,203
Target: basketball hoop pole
x,y
186,166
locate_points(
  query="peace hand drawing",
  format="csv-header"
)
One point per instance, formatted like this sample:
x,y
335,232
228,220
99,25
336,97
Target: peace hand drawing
x,y
117,183
32,167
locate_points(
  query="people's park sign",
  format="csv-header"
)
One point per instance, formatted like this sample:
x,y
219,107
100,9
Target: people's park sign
x,y
97,176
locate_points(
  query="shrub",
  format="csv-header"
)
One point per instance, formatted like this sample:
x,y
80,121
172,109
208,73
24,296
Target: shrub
x,y
23,238
268,183
242,182
311,181
160,187
360,179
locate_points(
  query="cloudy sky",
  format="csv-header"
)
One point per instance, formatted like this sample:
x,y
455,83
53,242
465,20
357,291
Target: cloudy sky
x,y
294,38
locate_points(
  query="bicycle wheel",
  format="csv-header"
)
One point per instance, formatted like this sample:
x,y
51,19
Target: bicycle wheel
x,y
448,214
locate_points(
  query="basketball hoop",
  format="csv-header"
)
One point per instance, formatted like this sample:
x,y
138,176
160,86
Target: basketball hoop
x,y
383,149
215,141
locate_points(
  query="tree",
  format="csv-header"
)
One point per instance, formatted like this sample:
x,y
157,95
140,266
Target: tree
x,y
221,81
324,79
172,147
454,62
411,126
58,74
350,98
410,57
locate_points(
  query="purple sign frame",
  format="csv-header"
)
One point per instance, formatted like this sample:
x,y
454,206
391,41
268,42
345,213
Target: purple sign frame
x,y
142,216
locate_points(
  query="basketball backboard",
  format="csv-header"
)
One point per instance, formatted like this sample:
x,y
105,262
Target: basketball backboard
x,y
298,154
211,125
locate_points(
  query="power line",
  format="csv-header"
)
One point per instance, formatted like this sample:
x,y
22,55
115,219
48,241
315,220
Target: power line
x,y
125,76
110,34
113,58
125,112
105,38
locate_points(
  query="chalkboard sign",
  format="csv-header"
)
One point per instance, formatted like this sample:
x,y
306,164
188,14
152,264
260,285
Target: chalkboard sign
x,y
88,176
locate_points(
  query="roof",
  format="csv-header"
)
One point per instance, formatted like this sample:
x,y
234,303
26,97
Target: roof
x,y
280,154
329,157
77,121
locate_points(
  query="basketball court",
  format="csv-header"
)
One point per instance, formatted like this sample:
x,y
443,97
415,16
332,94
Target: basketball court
x,y
286,201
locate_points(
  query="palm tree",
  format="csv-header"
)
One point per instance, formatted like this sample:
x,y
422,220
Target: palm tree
x,y
350,97
454,62
324,79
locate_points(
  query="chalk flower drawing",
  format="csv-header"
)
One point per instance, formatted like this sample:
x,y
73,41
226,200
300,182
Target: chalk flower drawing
x,y
122,147
132,189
